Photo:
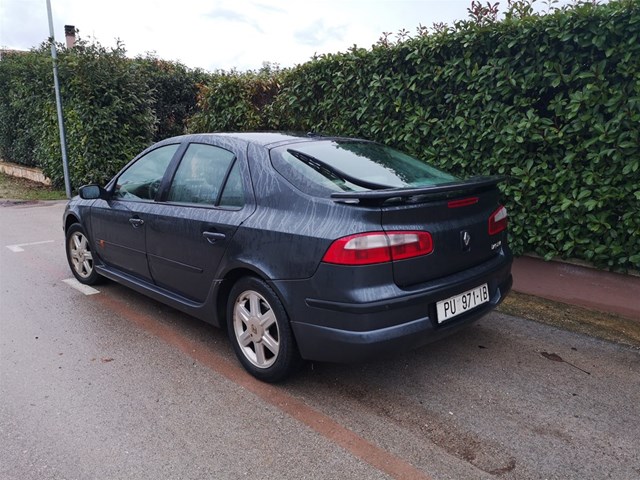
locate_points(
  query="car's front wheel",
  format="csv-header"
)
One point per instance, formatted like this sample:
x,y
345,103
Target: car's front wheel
x,y
80,256
260,332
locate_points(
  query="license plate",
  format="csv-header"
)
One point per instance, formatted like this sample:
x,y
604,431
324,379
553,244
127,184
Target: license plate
x,y
459,304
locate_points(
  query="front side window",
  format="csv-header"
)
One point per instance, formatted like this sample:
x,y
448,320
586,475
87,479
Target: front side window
x,y
201,174
142,179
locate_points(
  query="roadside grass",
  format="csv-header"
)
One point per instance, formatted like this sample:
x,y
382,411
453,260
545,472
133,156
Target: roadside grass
x,y
15,188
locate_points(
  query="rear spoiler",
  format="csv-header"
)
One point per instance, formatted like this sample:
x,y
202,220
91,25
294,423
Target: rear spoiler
x,y
444,190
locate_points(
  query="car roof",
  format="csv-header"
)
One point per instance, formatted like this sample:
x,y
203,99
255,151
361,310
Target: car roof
x,y
268,139
264,139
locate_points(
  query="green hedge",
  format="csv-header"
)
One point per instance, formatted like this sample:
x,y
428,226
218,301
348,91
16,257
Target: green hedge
x,y
237,101
23,87
113,108
108,115
174,90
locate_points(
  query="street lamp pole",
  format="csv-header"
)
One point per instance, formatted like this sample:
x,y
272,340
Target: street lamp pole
x,y
56,84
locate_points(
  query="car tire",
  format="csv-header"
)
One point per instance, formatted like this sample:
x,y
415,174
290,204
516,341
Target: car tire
x,y
260,332
80,256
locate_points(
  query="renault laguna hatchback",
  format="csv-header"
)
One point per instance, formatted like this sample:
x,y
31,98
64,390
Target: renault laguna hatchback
x,y
303,247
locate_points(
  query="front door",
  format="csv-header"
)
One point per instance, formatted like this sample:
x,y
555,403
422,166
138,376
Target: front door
x,y
119,225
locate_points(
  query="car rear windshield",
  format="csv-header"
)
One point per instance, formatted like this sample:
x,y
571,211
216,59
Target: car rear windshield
x,y
326,166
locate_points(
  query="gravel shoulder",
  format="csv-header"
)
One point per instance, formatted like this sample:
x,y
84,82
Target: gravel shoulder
x,y
605,326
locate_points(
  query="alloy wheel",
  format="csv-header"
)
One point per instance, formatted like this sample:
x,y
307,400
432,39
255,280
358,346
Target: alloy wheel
x,y
80,255
256,329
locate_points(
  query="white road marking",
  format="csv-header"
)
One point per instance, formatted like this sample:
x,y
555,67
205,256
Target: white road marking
x,y
18,248
86,289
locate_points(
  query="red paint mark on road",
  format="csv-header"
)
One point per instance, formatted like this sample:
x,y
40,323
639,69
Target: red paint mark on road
x,y
324,425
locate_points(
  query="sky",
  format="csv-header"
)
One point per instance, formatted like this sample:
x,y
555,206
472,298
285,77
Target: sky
x,y
227,34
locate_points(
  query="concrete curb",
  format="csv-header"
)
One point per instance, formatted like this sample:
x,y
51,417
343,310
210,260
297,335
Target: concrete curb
x,y
15,170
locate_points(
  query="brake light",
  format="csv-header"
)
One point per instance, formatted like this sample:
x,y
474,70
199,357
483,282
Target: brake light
x,y
464,202
498,221
378,247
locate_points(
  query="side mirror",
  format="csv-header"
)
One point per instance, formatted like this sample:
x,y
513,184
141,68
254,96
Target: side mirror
x,y
92,192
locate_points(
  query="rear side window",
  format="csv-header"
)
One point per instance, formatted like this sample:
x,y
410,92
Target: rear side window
x,y
201,175
233,192
328,165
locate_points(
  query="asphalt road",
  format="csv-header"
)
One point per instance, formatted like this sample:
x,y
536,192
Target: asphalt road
x,y
112,385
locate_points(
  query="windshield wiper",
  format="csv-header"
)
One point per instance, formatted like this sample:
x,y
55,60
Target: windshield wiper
x,y
331,172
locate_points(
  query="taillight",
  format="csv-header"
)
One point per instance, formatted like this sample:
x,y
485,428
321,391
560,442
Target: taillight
x,y
378,247
409,244
498,221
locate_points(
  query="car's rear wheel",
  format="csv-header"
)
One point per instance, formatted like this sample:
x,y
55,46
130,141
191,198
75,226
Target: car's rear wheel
x,y
260,332
80,256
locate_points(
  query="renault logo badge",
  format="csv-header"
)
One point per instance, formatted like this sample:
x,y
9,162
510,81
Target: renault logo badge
x,y
465,238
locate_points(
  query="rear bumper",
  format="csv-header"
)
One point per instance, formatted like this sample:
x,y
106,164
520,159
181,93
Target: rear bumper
x,y
337,331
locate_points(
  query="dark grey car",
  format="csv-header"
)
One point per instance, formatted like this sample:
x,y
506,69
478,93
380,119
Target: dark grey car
x,y
303,247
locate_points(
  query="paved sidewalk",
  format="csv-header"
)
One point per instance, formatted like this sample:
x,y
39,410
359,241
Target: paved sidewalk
x,y
581,286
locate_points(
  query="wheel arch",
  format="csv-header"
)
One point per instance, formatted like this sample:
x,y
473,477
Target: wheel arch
x,y
70,220
229,280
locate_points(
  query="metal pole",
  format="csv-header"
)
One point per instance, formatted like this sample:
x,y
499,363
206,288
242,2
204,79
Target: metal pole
x,y
56,84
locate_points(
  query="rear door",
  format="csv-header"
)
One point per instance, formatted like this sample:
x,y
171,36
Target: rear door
x,y
206,202
459,227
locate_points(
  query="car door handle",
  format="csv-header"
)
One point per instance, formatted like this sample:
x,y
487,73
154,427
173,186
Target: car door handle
x,y
213,237
136,222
